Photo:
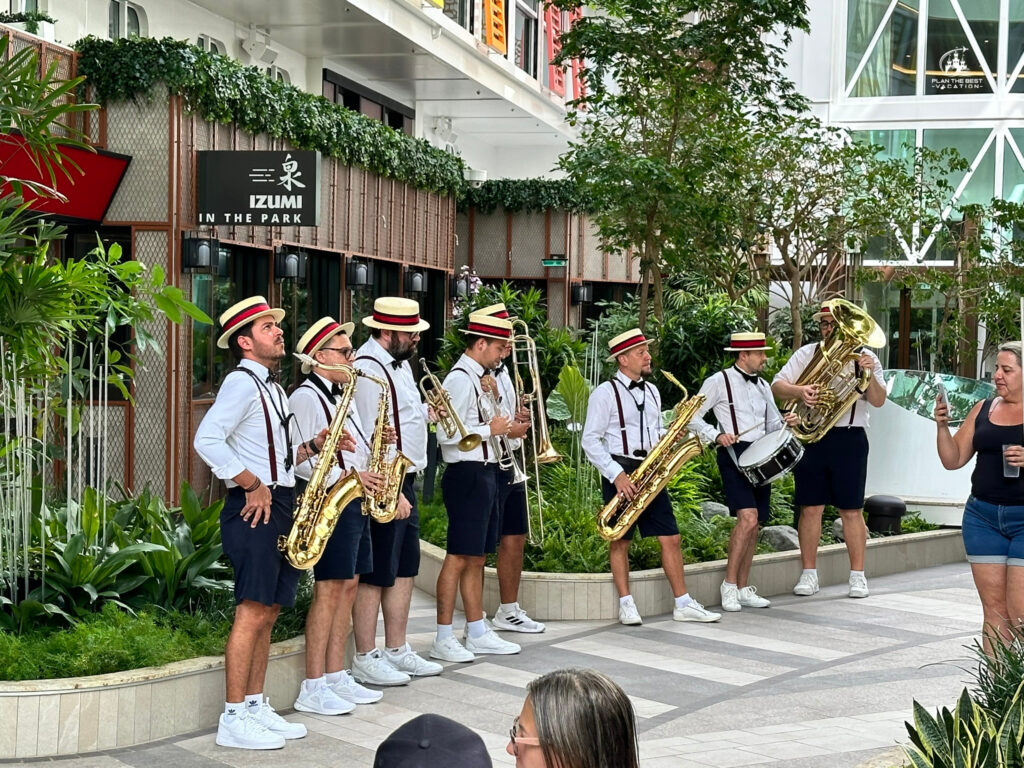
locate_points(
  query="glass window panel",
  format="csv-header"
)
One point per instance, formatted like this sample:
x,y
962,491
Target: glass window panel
x,y
1013,174
1015,43
892,65
114,20
134,28
525,42
894,143
967,141
951,64
862,19
983,19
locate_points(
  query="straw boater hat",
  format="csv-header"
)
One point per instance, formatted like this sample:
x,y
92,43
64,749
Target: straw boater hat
x,y
488,326
825,311
237,316
322,331
624,342
495,310
746,342
394,314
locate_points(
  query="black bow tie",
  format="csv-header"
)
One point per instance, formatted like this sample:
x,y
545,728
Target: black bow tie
x,y
396,364
638,384
751,378
499,368
336,390
274,377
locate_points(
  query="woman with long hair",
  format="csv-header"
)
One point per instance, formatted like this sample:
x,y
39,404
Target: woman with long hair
x,y
993,524
575,718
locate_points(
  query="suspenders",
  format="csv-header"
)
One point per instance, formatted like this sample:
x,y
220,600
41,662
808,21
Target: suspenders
x,y
394,397
483,443
272,453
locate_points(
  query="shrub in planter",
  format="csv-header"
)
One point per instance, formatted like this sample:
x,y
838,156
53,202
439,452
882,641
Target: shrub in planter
x,y
31,20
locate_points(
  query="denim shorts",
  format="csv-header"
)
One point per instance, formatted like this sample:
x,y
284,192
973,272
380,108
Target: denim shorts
x,y
993,533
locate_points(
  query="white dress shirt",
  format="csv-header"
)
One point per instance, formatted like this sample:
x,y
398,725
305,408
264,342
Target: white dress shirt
x,y
232,437
463,386
753,403
602,433
308,403
802,357
509,403
411,423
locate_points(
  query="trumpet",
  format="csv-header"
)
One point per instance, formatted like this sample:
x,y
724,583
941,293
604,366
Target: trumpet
x,y
437,398
502,446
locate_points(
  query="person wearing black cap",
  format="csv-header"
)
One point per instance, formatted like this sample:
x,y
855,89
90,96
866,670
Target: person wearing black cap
x,y
430,741
623,424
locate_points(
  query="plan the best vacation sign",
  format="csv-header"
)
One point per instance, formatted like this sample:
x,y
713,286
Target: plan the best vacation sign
x,y
259,188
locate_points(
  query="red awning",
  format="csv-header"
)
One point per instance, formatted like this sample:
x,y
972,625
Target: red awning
x,y
88,192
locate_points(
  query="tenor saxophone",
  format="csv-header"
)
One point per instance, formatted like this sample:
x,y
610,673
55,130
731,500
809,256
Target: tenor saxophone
x,y
666,458
320,505
383,506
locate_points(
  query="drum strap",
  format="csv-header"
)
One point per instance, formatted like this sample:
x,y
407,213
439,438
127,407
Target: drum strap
x,y
732,408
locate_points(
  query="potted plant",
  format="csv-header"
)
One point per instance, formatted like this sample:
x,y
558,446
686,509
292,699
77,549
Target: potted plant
x,y
33,22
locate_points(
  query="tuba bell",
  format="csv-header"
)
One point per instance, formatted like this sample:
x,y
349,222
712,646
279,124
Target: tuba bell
x,y
829,369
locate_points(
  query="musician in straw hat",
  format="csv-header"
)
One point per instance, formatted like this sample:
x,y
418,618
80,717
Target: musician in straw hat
x,y
834,469
745,410
623,424
328,688
469,489
246,440
395,327
512,509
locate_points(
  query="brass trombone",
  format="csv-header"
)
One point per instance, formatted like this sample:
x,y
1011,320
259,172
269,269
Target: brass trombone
x,y
437,398
524,352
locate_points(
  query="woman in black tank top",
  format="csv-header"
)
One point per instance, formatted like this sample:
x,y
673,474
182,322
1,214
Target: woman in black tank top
x,y
993,524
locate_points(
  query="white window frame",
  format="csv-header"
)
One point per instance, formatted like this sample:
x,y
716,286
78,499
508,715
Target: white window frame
x,y
140,13
211,44
275,72
534,15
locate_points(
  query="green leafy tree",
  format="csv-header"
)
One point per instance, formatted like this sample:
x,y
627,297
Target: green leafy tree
x,y
665,83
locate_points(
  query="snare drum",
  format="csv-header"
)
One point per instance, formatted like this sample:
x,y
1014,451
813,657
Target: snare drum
x,y
770,457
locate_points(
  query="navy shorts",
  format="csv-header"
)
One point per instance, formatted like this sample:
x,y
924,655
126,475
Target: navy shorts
x,y
348,551
261,572
396,545
470,493
511,505
833,470
993,533
740,493
657,520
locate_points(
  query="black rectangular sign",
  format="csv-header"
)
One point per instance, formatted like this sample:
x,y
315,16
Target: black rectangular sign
x,y
263,189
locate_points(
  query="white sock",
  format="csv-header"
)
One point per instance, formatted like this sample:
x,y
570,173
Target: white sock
x,y
476,628
728,584
253,701
444,631
683,600
399,649
856,573
335,677
233,710
508,608
812,571
625,600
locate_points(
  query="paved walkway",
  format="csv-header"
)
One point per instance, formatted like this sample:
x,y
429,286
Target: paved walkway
x,y
821,682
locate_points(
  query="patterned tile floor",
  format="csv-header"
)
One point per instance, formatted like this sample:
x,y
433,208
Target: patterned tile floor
x,y
820,682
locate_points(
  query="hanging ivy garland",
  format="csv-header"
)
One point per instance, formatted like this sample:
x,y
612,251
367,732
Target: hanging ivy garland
x,y
525,195
223,90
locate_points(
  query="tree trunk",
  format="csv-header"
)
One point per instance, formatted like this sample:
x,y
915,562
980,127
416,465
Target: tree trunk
x,y
644,289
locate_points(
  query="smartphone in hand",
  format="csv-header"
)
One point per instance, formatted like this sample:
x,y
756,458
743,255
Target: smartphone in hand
x,y
943,395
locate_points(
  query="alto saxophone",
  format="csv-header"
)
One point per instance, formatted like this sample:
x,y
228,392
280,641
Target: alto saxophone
x,y
666,458
383,505
320,506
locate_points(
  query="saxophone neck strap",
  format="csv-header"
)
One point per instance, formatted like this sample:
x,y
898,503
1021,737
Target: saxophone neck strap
x,y
394,397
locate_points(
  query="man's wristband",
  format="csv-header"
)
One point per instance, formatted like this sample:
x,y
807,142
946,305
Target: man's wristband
x,y
311,447
254,486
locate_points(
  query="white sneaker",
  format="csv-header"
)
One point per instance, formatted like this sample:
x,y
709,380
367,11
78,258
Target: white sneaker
x,y
516,621
858,585
276,724
449,649
694,611
730,597
245,732
807,585
318,697
374,669
749,598
414,665
351,692
489,642
629,615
